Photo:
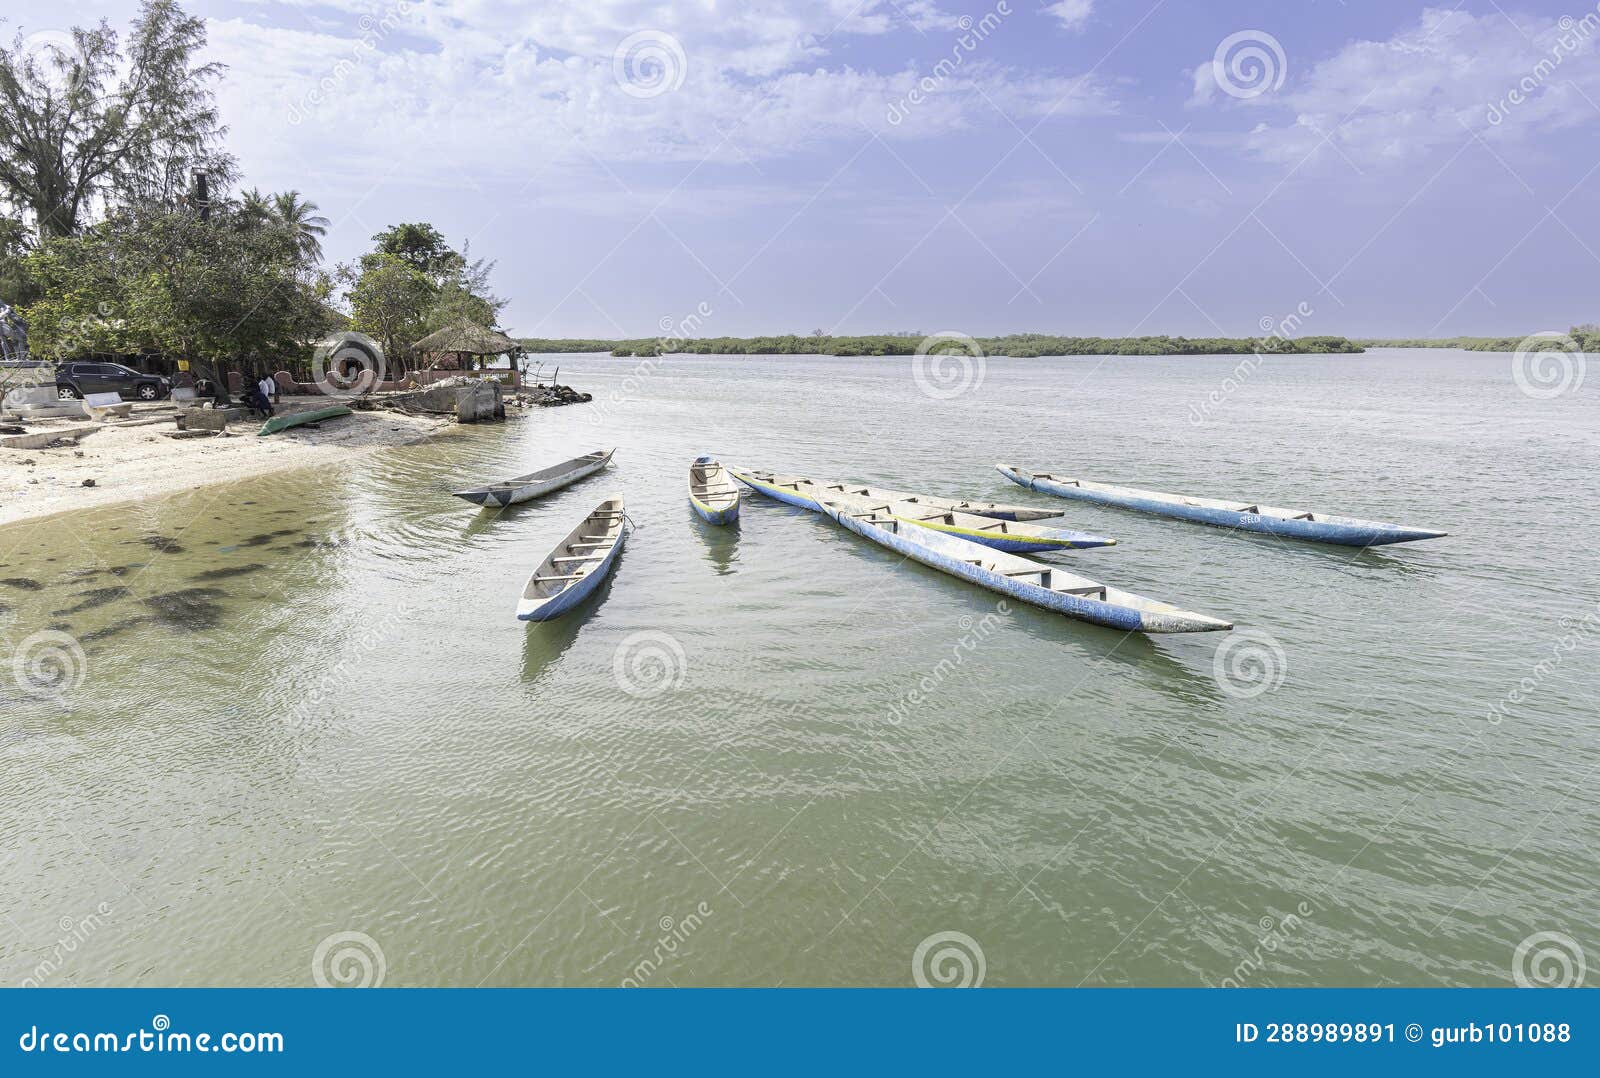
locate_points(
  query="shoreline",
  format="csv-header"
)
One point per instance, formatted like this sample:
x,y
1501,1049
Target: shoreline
x,y
130,463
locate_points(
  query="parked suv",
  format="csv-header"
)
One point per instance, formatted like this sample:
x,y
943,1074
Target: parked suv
x,y
77,380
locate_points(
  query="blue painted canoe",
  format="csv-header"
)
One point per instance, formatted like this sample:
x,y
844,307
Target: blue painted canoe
x,y
805,493
1024,579
574,569
713,494
1245,516
1008,535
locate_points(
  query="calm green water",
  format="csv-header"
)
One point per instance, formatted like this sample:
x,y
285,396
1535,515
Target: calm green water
x,y
774,755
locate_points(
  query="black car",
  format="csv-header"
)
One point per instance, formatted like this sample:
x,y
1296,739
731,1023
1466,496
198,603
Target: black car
x,y
77,380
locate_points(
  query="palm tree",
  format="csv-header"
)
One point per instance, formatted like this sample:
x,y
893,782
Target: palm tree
x,y
306,227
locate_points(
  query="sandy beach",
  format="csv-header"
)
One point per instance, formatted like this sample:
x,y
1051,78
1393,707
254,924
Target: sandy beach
x,y
129,463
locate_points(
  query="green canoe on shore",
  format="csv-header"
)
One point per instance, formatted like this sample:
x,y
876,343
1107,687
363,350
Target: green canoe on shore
x,y
294,419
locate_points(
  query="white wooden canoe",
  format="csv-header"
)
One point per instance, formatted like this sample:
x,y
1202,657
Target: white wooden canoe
x,y
1008,535
1024,579
574,569
807,494
1243,516
537,484
713,494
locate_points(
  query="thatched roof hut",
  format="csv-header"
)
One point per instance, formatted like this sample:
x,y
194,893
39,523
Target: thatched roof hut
x,y
468,339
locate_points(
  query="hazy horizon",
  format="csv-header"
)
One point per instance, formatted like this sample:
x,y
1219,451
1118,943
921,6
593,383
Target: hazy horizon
x,y
1079,167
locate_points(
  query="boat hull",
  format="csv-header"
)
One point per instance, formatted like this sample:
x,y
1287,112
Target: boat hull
x,y
498,496
1110,615
295,419
800,499
578,590
714,516
719,515
1347,532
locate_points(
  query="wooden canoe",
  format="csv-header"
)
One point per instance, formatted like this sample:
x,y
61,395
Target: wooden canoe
x,y
537,484
1024,579
1008,535
1245,516
713,494
807,494
295,419
572,571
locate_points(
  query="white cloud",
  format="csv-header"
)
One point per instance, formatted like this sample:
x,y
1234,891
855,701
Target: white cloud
x,y
1072,14
1428,86
486,86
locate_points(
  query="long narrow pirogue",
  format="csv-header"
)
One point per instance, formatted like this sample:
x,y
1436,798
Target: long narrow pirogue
x,y
806,494
1245,516
1007,535
537,484
1023,579
573,570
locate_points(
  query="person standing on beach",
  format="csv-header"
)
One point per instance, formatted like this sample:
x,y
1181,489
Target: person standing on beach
x,y
264,391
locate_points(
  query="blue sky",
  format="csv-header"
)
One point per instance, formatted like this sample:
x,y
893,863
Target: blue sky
x,y
1077,166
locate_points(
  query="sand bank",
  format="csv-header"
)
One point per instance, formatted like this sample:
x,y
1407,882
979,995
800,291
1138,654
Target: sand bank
x,y
130,463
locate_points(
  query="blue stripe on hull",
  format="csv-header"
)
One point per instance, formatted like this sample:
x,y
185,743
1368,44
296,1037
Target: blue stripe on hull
x,y
1319,531
578,590
1114,617
782,494
714,516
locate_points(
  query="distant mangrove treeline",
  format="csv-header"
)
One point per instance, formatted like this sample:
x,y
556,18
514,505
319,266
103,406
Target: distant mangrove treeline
x,y
1586,337
1019,345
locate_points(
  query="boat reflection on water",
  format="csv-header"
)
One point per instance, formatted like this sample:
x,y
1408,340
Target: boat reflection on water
x,y
721,542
